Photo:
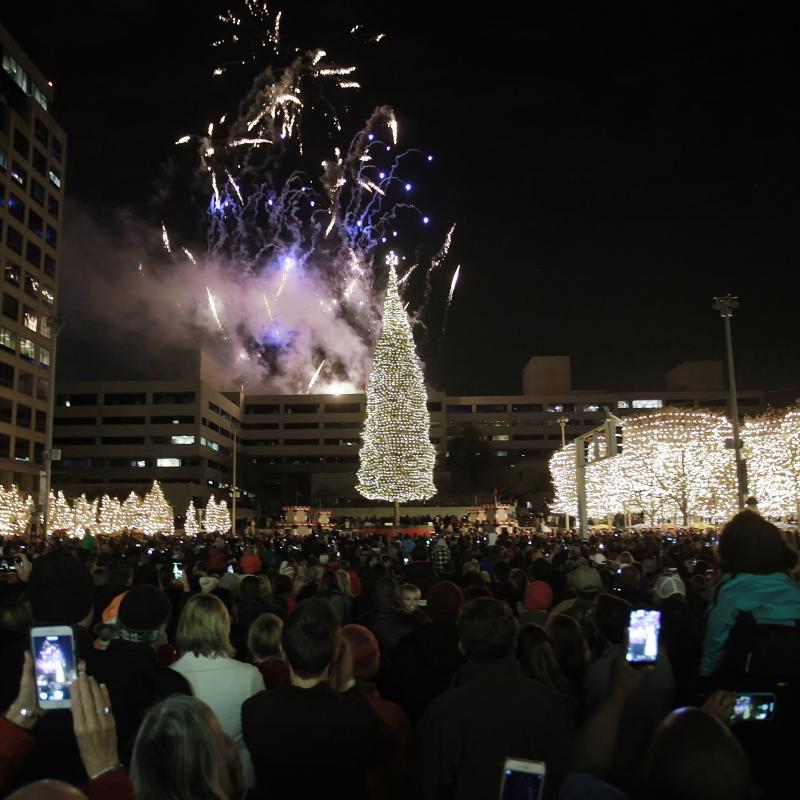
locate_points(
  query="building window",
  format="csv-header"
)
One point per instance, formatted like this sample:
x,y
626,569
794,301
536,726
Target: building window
x,y
33,254
14,239
24,416
49,265
3,160
302,408
343,408
30,319
182,440
459,409
8,340
69,400
168,462
22,449
40,131
19,174
492,408
16,207
591,407
31,286
12,273
41,421
54,176
526,408
125,399
56,148
6,375
5,410
10,307
648,404
501,453
122,440
44,357
39,164
5,445
52,206
623,403
173,398
500,437
122,421
300,442
174,419
342,442
297,426
21,144
27,349
42,389
18,74
262,409
38,452
35,223
44,328
47,296
434,406
38,194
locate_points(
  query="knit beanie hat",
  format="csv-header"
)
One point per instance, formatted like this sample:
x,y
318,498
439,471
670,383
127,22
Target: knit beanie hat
x,y
365,651
208,583
445,601
538,596
60,588
230,581
143,614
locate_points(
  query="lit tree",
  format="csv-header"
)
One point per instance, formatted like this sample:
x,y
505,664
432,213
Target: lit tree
x,y
223,517
157,512
132,516
85,515
190,527
110,517
772,449
61,515
210,518
396,456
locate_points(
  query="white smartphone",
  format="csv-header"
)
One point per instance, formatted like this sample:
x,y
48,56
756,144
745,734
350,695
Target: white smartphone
x,y
55,664
643,629
522,779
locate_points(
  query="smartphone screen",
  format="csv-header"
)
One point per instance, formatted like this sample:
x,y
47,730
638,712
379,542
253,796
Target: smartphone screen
x,y
643,628
177,570
754,707
522,780
55,665
230,568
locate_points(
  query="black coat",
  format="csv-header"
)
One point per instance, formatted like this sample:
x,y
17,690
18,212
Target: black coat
x,y
313,742
135,683
423,666
493,712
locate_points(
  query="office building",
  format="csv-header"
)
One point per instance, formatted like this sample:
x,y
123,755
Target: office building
x,y
119,436
33,151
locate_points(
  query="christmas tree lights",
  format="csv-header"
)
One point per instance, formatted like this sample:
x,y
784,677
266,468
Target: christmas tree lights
x,y
210,519
110,516
190,526
396,455
157,512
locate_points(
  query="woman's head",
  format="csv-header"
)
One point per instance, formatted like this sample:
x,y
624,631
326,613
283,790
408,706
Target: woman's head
x,y
181,752
204,627
328,584
748,543
344,582
535,655
264,637
569,645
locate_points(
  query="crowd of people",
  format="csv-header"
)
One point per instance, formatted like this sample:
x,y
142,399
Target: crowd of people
x,y
352,664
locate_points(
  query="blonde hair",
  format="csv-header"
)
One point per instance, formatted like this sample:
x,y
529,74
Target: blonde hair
x,y
410,588
264,637
204,627
182,752
344,582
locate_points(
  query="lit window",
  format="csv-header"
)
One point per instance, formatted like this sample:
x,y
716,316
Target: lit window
x,y
15,71
30,319
8,340
44,356
19,174
55,178
501,453
501,437
182,440
623,404
27,349
47,296
591,407
648,404
168,462
555,407
39,96
44,328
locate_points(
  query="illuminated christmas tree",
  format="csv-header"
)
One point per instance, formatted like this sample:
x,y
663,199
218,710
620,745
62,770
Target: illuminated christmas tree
x,y
223,518
110,516
396,456
132,516
157,512
190,526
85,516
62,517
210,515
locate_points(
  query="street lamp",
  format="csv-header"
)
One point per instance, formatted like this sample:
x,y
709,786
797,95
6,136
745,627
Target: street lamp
x,y
725,305
235,489
562,421
55,323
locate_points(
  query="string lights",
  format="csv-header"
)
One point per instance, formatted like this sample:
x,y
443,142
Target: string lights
x,y
396,456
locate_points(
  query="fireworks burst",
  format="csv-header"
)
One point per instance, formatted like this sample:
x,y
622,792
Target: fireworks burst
x,y
309,246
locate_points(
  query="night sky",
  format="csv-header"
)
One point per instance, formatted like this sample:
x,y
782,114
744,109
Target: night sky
x,y
610,167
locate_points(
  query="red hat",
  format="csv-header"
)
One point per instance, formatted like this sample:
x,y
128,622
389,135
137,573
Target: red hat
x,y
538,596
364,647
445,601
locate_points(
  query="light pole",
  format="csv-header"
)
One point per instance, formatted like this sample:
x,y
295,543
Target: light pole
x,y
562,421
725,305
55,323
235,489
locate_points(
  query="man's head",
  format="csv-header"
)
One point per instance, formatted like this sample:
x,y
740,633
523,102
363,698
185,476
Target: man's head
x,y
586,582
61,590
365,651
487,630
143,614
445,601
310,638
695,757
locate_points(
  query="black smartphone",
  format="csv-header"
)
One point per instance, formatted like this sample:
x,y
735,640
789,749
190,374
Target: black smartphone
x,y
753,707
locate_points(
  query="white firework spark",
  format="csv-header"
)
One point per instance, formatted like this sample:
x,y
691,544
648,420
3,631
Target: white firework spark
x,y
165,237
315,376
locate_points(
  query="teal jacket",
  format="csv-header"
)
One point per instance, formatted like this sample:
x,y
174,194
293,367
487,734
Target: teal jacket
x,y
771,599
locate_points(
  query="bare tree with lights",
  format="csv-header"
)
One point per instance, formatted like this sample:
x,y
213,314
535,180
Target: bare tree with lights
x,y
396,456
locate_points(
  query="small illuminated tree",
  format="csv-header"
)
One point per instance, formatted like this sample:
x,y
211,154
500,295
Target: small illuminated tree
x,y
396,455
110,516
61,514
223,517
190,526
132,516
157,512
210,518
85,516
